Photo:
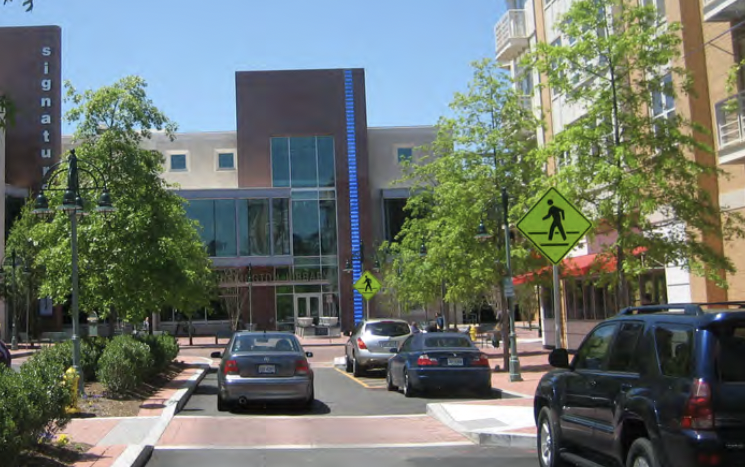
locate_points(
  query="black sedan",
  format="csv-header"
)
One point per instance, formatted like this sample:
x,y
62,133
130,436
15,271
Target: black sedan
x,y
438,360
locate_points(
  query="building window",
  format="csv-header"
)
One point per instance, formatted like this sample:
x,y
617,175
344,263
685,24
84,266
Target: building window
x,y
404,154
281,226
663,103
226,161
659,6
303,162
253,221
178,162
217,225
394,217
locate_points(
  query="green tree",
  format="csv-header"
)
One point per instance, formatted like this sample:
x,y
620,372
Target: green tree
x,y
488,144
630,156
147,254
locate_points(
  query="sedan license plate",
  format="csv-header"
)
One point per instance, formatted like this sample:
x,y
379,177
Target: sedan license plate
x,y
455,362
267,369
391,344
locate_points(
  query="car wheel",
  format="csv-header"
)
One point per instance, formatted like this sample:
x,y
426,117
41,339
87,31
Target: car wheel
x,y
641,454
311,397
349,364
222,405
548,441
356,368
486,391
389,381
407,387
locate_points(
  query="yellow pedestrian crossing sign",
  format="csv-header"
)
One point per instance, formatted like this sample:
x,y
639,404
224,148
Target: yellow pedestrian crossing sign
x,y
367,285
554,225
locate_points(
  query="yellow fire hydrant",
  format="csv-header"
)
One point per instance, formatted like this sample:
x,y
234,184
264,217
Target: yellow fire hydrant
x,y
71,380
472,333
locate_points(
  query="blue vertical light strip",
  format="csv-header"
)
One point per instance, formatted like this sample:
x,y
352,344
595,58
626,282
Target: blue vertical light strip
x,y
354,200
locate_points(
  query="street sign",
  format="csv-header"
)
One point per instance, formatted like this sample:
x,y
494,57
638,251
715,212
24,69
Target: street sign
x,y
367,285
554,225
509,287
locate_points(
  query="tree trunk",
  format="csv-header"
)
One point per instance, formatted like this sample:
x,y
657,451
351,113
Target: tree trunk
x,y
191,341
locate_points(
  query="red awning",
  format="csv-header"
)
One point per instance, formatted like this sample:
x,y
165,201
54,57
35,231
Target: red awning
x,y
576,266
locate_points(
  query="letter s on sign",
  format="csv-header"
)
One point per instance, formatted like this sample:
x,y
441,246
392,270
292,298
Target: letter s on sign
x,y
46,51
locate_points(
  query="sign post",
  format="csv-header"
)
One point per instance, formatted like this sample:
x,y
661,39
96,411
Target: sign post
x,y
555,226
367,285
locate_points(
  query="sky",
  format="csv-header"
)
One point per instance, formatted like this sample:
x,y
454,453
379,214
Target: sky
x,y
416,53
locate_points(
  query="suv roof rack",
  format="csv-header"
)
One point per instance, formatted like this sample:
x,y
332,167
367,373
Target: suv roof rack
x,y
692,309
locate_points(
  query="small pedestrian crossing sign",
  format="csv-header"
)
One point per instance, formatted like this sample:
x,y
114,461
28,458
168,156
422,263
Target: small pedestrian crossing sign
x,y
367,285
554,225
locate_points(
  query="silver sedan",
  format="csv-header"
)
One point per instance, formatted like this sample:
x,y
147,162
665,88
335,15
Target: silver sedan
x,y
263,366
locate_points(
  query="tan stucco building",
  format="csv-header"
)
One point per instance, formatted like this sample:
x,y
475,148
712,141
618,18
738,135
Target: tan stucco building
x,y
713,40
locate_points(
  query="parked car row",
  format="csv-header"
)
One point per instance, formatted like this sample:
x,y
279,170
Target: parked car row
x,y
417,362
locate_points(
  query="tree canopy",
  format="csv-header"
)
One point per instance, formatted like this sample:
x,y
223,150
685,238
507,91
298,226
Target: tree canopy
x,y
145,255
633,161
488,144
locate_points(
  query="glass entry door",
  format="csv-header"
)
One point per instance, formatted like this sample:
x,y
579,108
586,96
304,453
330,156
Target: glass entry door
x,y
308,305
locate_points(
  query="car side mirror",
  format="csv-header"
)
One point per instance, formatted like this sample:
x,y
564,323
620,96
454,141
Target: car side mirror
x,y
216,355
559,358
394,350
309,354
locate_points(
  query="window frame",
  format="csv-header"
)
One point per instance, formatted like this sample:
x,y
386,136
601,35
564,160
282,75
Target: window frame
x,y
397,153
170,156
221,152
585,342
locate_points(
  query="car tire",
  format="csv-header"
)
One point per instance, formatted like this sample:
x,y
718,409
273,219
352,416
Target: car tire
x,y
222,405
485,391
308,402
349,364
357,369
407,388
641,454
389,381
548,443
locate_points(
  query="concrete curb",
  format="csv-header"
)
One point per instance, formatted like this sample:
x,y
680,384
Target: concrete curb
x,y
137,455
505,439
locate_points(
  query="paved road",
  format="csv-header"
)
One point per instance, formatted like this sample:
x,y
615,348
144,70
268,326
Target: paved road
x,y
337,394
423,456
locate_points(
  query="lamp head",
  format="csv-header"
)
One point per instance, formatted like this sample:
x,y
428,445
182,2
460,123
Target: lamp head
x,y
41,205
482,234
69,201
348,266
422,250
105,206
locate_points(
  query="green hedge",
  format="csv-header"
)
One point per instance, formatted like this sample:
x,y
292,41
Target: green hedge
x,y
124,364
163,348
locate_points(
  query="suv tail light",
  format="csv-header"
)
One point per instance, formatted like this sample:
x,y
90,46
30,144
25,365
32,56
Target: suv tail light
x,y
483,360
231,367
302,367
698,413
424,360
361,344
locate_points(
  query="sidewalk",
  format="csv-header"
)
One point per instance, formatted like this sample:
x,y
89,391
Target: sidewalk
x,y
508,421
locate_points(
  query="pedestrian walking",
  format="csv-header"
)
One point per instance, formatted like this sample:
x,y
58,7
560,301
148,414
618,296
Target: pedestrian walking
x,y
440,322
415,328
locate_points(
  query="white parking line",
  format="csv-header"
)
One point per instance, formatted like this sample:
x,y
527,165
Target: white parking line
x,y
317,446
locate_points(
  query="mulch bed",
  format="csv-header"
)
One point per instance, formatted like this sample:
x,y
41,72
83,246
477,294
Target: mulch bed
x,y
98,403
48,455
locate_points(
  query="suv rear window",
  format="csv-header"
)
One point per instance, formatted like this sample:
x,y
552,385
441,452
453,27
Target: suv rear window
x,y
730,352
674,349
387,328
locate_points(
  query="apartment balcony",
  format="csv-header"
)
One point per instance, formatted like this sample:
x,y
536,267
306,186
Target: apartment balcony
x,y
723,10
730,115
511,35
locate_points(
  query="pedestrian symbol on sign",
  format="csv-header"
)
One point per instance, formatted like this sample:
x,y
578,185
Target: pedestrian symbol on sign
x,y
558,216
368,284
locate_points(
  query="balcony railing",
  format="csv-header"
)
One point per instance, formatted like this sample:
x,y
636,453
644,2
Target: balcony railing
x,y
730,115
511,35
723,10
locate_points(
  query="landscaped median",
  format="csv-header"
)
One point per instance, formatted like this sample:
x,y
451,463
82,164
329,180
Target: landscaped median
x,y
37,402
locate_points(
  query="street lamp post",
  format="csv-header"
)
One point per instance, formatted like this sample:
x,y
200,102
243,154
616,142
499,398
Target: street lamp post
x,y
73,205
483,235
250,298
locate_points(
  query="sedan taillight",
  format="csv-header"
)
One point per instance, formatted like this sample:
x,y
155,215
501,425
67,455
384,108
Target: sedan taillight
x,y
483,360
302,367
361,344
231,367
424,360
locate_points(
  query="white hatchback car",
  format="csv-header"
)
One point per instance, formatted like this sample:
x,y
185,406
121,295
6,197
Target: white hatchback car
x,y
369,345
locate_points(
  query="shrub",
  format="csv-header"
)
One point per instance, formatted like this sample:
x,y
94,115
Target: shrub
x,y
124,364
163,348
91,349
32,402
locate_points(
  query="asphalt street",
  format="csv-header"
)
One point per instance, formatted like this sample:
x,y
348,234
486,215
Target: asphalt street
x,y
337,394
426,456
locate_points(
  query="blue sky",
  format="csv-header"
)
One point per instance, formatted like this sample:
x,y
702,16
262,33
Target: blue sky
x,y
416,53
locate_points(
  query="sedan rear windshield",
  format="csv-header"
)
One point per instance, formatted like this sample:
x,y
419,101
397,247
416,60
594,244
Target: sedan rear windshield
x,y
730,352
388,328
265,344
448,342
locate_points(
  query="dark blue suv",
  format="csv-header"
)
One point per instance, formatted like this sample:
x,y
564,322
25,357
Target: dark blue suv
x,y
654,386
